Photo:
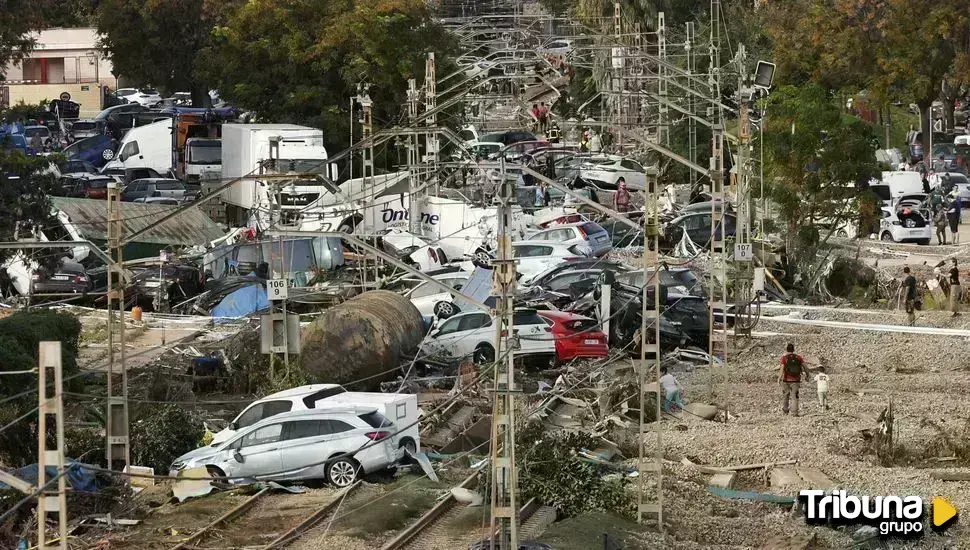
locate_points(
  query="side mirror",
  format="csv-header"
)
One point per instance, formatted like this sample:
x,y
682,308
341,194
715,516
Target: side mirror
x,y
238,456
232,426
434,332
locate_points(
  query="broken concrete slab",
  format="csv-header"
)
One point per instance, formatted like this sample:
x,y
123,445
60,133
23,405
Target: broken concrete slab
x,y
814,479
784,478
701,410
722,479
184,489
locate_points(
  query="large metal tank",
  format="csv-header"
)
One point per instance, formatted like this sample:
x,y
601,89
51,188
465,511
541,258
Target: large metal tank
x,y
361,338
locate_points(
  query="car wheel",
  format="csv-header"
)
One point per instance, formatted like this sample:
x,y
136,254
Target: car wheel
x,y
482,259
107,154
343,472
886,237
484,354
444,310
215,471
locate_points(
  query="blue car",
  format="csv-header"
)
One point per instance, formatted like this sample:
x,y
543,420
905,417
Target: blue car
x,y
97,150
14,141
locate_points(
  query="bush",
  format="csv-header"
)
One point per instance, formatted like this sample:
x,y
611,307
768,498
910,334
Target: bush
x,y
550,471
20,336
160,434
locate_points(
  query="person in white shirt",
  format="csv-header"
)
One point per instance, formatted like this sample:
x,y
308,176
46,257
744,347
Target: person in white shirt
x,y
672,389
822,387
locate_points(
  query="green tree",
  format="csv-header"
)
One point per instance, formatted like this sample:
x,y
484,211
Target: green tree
x,y
300,60
26,183
157,42
18,19
816,158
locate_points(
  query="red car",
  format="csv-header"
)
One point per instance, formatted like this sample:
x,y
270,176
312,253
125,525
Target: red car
x,y
576,336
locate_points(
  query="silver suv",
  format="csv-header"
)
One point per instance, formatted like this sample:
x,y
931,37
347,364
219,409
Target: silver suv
x,y
337,443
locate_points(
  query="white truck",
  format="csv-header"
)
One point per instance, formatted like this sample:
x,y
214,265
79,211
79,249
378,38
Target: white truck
x,y
249,150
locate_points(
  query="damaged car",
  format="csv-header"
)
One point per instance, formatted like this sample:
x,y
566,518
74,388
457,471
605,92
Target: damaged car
x,y
907,220
472,334
295,446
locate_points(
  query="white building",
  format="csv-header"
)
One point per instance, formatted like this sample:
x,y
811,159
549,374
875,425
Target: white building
x,y
63,60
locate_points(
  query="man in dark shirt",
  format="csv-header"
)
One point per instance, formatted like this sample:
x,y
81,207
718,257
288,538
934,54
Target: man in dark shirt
x,y
909,287
790,378
956,292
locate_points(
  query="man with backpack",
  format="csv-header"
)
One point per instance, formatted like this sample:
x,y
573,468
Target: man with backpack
x,y
790,378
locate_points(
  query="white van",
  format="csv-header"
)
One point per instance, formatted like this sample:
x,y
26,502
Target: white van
x,y
148,146
400,408
903,183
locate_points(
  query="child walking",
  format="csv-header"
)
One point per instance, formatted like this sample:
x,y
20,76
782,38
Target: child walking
x,y
671,389
822,387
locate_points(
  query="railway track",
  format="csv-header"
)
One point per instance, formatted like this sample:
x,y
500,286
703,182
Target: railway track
x,y
440,527
212,530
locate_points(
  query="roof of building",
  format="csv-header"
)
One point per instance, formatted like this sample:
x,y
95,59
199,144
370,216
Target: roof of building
x,y
193,227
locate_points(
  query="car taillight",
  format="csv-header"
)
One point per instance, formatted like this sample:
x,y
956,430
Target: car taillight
x,y
582,233
79,278
35,277
433,255
378,436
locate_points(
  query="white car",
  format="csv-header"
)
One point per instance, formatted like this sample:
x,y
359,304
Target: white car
x,y
607,170
472,334
336,443
414,249
557,47
147,97
400,408
426,296
534,256
908,220
587,238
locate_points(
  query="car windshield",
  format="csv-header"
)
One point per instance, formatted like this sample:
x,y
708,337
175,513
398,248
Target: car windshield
x,y
81,145
680,281
84,126
168,185
206,152
31,132
99,183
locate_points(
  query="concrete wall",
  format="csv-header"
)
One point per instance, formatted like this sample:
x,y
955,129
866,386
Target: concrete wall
x,y
89,99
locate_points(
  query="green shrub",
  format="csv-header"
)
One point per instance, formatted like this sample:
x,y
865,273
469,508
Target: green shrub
x,y
160,434
20,336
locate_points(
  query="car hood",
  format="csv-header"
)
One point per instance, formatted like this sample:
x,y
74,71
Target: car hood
x,y
194,457
223,435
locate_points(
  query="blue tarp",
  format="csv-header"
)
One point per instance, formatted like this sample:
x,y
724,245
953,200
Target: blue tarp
x,y
79,478
242,302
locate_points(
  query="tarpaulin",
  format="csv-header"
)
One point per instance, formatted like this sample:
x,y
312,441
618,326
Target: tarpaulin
x,y
242,302
78,477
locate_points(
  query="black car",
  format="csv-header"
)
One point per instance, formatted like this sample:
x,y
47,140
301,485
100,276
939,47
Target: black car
x,y
69,277
542,279
160,286
698,227
508,138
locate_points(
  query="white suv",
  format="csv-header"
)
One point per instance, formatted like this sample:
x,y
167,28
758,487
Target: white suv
x,y
337,444
400,408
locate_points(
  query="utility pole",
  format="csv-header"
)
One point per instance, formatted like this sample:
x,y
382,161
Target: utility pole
x,y
117,448
691,122
50,358
743,247
717,304
663,132
414,204
430,103
619,58
367,129
650,465
504,479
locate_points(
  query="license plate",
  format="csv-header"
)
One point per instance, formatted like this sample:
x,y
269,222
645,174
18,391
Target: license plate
x,y
59,278
591,342
152,284
915,232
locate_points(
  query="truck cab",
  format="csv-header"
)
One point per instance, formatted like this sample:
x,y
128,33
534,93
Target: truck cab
x,y
203,159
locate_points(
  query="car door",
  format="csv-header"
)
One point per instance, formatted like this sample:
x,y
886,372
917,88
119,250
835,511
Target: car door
x,y
534,334
304,443
474,329
260,451
441,342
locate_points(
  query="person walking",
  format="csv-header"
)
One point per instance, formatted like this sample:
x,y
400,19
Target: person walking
x,y
541,198
909,287
939,220
621,199
822,388
956,291
672,390
954,214
790,379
